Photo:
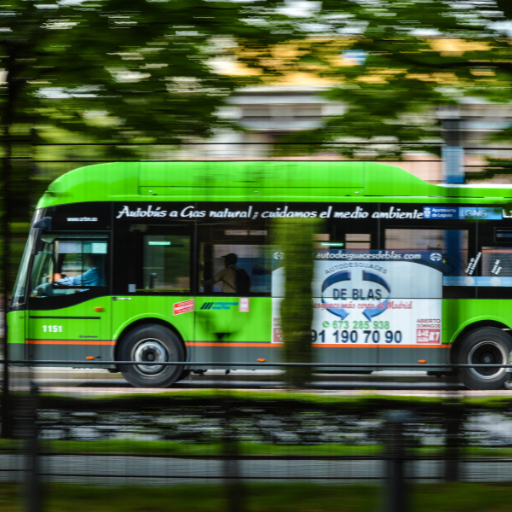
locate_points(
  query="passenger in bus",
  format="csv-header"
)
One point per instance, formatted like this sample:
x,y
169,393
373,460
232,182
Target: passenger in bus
x,y
234,279
91,277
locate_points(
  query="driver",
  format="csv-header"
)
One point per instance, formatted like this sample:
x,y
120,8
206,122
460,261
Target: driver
x,y
90,277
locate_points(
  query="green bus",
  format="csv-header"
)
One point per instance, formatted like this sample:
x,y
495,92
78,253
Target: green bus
x,y
172,261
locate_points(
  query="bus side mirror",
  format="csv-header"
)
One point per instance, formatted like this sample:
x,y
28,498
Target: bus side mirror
x,y
45,224
42,225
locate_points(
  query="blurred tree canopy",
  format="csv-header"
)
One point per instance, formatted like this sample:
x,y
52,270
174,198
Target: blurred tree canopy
x,y
122,71
95,77
393,63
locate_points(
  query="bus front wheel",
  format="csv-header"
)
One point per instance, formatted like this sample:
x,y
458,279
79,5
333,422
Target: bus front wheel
x,y
488,345
151,343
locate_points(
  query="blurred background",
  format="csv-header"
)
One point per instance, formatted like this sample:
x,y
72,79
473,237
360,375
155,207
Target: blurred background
x,y
84,82
91,82
423,85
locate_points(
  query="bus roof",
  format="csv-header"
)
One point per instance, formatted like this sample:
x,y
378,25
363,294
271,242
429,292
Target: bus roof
x,y
274,180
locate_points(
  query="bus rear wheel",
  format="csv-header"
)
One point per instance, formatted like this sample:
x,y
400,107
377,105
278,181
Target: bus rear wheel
x,y
151,343
488,345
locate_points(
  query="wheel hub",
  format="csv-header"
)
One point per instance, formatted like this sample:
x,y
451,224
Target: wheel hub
x,y
151,351
487,352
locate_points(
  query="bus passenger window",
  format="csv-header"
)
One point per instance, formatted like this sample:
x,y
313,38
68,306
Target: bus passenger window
x,y
220,264
166,266
496,266
452,244
414,239
358,241
491,268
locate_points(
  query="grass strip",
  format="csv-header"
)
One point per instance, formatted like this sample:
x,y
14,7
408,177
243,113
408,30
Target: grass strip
x,y
208,450
304,497
175,448
299,396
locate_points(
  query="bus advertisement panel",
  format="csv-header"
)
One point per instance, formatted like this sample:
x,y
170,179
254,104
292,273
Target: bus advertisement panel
x,y
373,297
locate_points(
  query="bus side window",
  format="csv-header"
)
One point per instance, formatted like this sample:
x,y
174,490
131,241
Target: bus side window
x,y
253,259
238,246
496,266
492,267
496,257
451,244
166,263
361,241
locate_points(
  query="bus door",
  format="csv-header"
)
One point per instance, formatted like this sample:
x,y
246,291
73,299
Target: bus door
x,y
68,308
428,263
155,280
234,307
348,289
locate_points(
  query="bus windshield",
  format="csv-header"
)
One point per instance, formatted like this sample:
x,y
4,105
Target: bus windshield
x,y
21,279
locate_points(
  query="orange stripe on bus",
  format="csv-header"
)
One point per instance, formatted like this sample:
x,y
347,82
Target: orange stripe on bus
x,y
69,342
263,344
380,346
228,344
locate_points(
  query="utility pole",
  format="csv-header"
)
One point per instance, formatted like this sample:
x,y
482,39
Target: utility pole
x,y
453,174
452,151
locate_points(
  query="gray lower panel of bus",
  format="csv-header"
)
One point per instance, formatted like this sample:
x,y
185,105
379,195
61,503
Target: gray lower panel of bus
x,y
338,355
17,351
63,353
232,354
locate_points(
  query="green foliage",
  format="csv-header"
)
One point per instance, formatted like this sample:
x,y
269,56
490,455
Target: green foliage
x,y
262,497
295,237
114,72
419,55
126,446
359,401
94,77
125,71
496,166
167,448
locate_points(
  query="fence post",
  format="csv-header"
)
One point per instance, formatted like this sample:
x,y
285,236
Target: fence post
x,y
6,401
231,456
32,492
454,422
395,488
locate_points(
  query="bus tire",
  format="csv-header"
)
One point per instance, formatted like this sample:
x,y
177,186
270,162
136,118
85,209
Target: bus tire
x,y
151,343
485,345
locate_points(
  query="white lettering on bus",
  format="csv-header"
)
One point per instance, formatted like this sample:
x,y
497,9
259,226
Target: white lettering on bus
x,y
397,214
227,213
327,214
392,213
190,213
358,213
381,255
149,212
282,213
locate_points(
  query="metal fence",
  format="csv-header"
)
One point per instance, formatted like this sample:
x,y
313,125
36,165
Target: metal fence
x,y
237,439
